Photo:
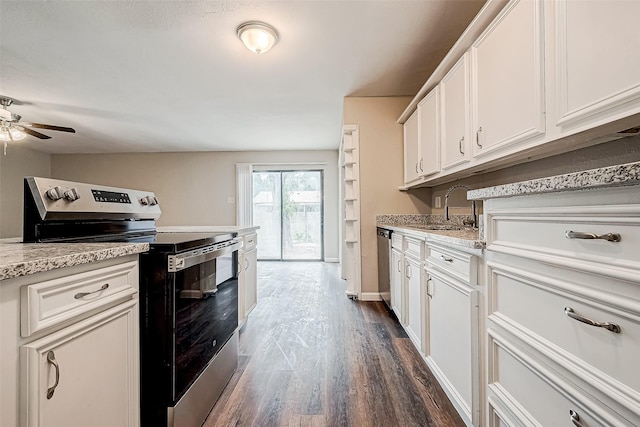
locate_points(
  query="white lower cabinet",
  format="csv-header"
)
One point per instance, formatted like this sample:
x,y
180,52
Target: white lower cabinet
x,y
435,297
397,274
69,353
563,309
415,307
453,351
247,277
85,374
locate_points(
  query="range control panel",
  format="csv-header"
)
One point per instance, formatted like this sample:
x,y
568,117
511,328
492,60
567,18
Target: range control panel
x,y
110,196
57,199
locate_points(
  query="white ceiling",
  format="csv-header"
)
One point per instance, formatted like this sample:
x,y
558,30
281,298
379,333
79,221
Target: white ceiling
x,y
141,76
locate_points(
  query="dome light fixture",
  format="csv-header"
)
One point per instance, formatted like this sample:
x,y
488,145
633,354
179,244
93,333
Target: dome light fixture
x,y
258,36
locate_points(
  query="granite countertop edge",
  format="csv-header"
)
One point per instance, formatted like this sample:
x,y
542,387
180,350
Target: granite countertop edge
x,y
23,259
611,176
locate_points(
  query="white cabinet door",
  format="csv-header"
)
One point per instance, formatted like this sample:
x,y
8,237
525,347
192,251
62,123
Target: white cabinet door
x,y
411,148
414,301
453,319
454,89
397,283
250,280
597,61
508,78
85,374
429,134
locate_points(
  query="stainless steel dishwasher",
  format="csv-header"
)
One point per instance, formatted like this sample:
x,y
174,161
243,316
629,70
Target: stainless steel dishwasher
x,y
384,251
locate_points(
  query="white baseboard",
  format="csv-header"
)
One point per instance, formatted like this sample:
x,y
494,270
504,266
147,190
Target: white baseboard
x,y
331,260
370,296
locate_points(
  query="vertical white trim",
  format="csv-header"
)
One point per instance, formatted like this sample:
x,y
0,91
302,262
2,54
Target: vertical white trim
x,y
244,184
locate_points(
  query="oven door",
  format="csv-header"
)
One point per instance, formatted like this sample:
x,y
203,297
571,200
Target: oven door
x,y
204,323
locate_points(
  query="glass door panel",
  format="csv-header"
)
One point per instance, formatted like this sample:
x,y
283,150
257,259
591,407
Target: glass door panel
x,y
267,213
288,207
302,215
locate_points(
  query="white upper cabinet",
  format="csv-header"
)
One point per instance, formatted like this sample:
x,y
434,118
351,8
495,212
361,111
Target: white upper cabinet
x,y
429,134
454,89
597,61
411,149
508,78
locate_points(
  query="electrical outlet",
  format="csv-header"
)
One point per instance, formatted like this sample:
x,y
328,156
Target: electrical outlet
x,y
231,200
438,202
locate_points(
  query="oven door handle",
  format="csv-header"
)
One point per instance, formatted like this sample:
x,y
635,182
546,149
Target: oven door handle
x,y
188,259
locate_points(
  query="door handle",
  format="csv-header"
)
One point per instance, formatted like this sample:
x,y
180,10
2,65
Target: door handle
x,y
51,359
84,294
613,327
575,418
609,237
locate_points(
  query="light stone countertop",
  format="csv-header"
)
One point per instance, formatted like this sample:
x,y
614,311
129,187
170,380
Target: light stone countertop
x,y
21,259
207,228
610,176
463,239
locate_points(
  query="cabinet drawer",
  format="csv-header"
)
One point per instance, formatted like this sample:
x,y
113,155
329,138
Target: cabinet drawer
x,y
521,387
457,264
413,247
47,304
396,241
551,236
540,308
250,241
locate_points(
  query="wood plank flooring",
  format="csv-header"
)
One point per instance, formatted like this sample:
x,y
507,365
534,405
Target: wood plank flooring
x,y
311,357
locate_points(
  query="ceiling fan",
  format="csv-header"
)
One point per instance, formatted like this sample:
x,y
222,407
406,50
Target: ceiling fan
x,y
12,129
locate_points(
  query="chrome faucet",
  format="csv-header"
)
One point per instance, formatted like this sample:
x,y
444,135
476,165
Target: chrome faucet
x,y
474,221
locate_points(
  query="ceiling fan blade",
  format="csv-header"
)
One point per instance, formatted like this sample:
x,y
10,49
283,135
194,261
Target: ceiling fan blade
x,y
34,133
50,127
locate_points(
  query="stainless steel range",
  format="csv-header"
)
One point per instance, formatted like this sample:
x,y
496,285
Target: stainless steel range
x,y
188,302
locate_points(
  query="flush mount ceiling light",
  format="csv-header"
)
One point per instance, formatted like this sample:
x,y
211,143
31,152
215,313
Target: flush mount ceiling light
x,y
257,36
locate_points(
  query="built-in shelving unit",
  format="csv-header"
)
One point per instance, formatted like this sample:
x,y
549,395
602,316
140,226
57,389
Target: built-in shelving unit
x,y
350,257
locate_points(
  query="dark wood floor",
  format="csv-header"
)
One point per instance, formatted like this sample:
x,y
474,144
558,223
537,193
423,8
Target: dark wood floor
x,y
309,356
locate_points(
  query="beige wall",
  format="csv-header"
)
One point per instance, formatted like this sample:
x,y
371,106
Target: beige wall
x,y
381,172
193,187
19,162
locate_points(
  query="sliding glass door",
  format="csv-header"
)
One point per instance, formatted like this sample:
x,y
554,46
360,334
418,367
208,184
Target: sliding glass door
x,y
288,207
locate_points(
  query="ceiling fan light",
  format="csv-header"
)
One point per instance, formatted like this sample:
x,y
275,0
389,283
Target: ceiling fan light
x,y
258,37
16,134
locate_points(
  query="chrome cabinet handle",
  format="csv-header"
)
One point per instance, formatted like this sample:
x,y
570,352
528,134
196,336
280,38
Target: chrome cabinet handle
x,y
399,268
429,292
575,418
417,167
51,358
84,294
460,145
408,271
609,237
606,325
421,170
446,258
478,136
246,263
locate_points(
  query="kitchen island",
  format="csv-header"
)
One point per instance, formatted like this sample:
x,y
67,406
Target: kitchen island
x,y
69,332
